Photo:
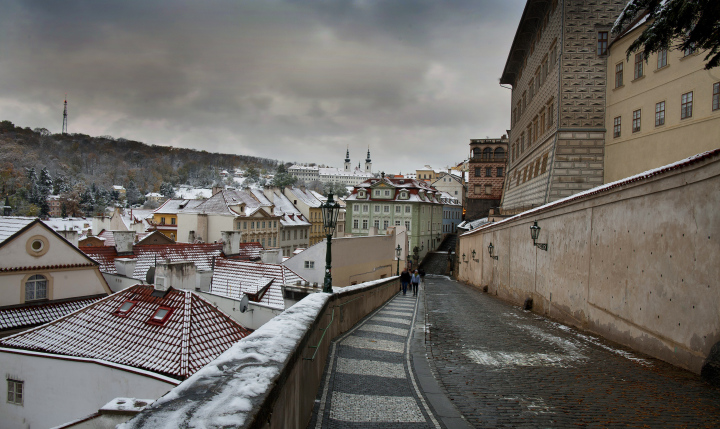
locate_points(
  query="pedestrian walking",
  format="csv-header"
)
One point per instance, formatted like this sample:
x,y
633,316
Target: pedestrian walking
x,y
421,271
415,280
405,280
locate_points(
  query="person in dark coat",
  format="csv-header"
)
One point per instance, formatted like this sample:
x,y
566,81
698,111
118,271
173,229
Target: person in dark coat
x,y
405,280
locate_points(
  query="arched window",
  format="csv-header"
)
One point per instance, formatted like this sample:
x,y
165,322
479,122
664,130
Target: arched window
x,y
477,152
499,154
36,288
487,154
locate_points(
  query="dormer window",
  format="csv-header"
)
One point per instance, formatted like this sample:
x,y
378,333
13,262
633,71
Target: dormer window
x,y
161,316
125,308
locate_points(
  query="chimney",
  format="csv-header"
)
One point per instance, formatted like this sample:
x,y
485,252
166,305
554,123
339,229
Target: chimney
x,y
191,237
70,235
124,242
180,275
270,256
231,242
216,189
203,279
125,266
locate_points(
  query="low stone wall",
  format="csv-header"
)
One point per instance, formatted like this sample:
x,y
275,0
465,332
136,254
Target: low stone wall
x,y
636,261
270,378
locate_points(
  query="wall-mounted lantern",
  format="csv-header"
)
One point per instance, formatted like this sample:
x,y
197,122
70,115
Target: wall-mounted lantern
x,y
535,233
464,258
491,250
473,256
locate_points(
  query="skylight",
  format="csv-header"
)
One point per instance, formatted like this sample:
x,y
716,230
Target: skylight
x,y
125,308
161,316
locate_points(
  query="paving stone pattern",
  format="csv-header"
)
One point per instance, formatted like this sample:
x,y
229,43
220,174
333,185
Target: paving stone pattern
x,y
368,381
505,367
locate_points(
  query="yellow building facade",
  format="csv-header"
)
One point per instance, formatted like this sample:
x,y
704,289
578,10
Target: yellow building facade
x,y
658,111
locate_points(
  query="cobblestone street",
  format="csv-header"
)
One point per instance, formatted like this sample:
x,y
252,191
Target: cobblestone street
x,y
505,367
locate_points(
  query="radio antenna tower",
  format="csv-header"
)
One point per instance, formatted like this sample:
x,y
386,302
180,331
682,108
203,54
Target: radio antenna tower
x,y
64,128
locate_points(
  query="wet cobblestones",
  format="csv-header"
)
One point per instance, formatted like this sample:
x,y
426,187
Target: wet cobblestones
x,y
504,367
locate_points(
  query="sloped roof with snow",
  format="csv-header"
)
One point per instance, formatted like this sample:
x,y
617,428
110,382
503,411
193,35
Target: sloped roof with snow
x,y
305,196
200,254
194,333
37,314
11,225
233,278
172,206
222,202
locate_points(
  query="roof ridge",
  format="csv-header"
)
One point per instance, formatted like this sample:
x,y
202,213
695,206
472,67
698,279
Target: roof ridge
x,y
185,336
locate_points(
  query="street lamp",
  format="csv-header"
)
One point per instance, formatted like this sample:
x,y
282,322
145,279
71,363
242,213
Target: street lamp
x,y
535,233
330,210
398,251
491,249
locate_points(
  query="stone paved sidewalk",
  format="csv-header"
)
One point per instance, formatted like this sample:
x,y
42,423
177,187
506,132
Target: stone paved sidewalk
x,y
369,381
505,367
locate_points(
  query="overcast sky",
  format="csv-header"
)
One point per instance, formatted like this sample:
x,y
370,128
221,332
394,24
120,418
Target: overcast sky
x,y
288,80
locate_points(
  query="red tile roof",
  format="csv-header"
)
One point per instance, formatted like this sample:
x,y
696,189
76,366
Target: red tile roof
x,y
194,334
37,314
233,278
201,254
46,267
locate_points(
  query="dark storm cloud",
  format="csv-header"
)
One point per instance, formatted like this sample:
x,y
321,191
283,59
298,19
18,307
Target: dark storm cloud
x,y
288,80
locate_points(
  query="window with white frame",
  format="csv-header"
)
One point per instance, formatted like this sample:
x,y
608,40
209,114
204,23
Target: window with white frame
x,y
356,223
15,391
387,193
36,288
356,208
376,223
636,121
407,225
377,208
386,224
686,101
397,223
386,209
660,113
397,209
407,209
366,208
365,224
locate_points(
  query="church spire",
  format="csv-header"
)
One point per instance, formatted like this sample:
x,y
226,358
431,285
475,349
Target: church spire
x,y
347,155
368,163
368,155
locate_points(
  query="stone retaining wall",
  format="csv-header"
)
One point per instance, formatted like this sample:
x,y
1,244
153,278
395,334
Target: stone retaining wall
x,y
637,262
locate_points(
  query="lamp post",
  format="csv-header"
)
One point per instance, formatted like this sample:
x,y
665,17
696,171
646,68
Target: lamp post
x,y
491,250
398,251
330,210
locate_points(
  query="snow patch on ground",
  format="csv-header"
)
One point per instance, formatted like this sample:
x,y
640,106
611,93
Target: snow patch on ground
x,y
506,360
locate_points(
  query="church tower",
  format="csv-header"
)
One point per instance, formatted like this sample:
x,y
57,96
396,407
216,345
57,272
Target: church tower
x,y
347,160
368,163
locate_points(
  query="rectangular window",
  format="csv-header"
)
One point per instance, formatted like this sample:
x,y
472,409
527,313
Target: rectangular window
x,y
689,51
716,96
263,224
616,127
172,221
386,209
244,224
239,224
686,105
488,189
397,209
376,223
15,392
407,225
478,172
365,208
407,209
309,264
544,164
551,110
660,113
356,223
553,54
477,190
638,65
488,171
499,172
602,42
397,223
262,242
535,129
531,87
356,208
636,121
162,221
386,224
662,58
387,193
537,167
618,75
252,225
377,208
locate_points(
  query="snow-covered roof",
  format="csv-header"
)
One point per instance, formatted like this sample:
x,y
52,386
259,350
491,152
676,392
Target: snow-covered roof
x,y
229,202
11,225
146,255
153,194
234,278
172,206
78,224
193,193
194,333
305,196
37,314
418,190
